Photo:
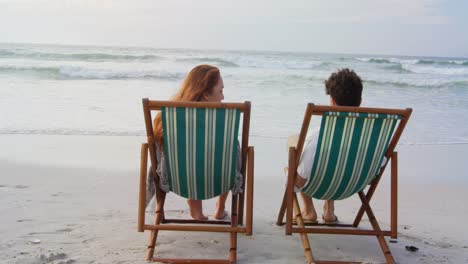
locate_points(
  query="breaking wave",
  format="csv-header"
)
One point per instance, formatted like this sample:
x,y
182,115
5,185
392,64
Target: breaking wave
x,y
75,72
92,56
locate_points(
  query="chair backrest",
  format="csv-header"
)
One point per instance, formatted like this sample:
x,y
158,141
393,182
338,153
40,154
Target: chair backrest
x,y
200,145
351,147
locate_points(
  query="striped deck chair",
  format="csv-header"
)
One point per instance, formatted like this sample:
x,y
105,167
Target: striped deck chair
x,y
351,147
200,146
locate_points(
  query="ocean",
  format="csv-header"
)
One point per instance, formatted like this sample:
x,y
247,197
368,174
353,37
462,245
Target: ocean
x,y
85,90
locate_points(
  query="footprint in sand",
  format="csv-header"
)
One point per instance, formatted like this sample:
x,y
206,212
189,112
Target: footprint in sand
x,y
23,220
86,241
167,242
64,230
53,258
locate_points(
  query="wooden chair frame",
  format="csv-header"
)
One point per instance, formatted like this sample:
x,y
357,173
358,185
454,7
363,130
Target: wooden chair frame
x,y
290,202
234,226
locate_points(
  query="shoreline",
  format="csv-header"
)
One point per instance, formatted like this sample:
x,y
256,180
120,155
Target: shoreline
x,y
142,135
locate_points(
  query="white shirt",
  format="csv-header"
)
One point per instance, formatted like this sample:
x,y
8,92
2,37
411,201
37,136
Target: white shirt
x,y
308,154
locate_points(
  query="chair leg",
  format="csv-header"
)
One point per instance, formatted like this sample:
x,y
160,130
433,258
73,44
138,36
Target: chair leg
x,y
282,211
289,193
142,191
157,221
241,204
394,196
151,245
369,195
304,239
233,235
376,227
249,192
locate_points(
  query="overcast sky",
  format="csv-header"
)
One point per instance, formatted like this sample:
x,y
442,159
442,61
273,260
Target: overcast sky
x,y
396,27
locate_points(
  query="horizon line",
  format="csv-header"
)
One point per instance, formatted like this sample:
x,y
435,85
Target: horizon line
x,y
229,50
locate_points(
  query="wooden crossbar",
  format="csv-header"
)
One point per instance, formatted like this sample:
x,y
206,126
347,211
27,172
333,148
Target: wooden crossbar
x,y
340,231
192,221
156,105
191,261
195,228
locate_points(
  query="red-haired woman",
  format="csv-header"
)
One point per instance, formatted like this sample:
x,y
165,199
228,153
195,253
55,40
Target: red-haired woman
x,y
203,83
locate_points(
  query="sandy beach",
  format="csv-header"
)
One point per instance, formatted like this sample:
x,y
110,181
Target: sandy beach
x,y
73,199
73,75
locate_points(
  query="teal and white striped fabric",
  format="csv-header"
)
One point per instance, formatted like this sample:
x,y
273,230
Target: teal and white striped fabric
x,y
200,145
350,150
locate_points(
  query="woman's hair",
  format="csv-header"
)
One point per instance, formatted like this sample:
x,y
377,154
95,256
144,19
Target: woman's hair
x,y
199,82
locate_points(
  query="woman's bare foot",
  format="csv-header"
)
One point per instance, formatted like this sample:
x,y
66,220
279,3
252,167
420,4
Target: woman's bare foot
x,y
330,218
309,216
329,212
198,215
308,211
220,213
196,209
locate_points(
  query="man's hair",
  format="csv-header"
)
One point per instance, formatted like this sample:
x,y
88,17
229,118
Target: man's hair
x,y
345,87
